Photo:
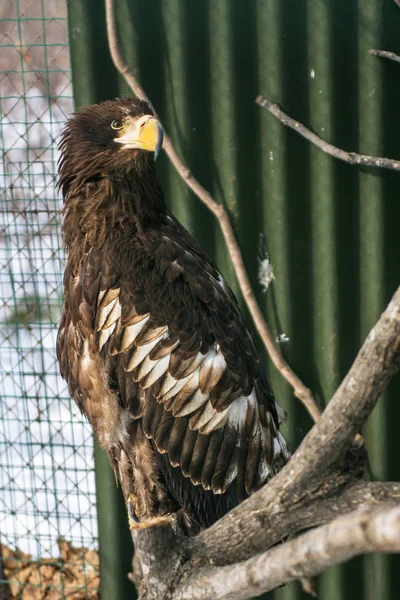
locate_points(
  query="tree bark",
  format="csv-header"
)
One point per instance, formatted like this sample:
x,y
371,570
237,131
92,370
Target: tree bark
x,y
365,530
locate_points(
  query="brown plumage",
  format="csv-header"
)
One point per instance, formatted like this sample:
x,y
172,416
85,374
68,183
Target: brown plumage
x,y
151,340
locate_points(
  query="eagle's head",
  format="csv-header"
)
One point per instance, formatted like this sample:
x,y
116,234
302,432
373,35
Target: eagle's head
x,y
109,139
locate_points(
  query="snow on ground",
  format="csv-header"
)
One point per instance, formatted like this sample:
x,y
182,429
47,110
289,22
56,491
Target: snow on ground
x,y
47,486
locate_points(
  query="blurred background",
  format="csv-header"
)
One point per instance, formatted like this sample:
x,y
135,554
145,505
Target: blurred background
x,y
331,232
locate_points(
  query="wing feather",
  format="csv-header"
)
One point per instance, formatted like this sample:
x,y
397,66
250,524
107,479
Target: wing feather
x,y
175,440
213,449
129,334
198,457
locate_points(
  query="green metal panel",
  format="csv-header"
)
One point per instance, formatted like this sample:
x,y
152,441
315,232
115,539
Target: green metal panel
x,y
331,229
115,542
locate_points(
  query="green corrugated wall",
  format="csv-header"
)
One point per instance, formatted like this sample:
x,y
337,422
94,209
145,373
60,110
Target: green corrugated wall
x,y
332,230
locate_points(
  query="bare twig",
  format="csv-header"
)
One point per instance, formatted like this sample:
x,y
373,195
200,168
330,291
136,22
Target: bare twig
x,y
300,390
365,530
385,53
351,158
397,2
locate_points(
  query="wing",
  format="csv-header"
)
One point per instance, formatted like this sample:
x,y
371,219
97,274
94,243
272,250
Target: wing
x,y
181,359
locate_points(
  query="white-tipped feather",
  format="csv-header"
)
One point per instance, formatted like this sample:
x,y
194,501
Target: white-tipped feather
x,y
167,384
113,315
277,447
104,312
211,370
159,369
105,335
172,386
178,398
197,422
216,422
173,389
197,400
144,368
251,399
140,354
264,470
197,361
131,332
155,332
107,296
230,473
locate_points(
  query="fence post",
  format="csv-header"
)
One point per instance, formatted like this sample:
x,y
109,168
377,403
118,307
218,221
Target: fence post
x,y
115,542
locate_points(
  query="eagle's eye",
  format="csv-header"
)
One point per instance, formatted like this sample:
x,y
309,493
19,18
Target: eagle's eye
x,y
117,124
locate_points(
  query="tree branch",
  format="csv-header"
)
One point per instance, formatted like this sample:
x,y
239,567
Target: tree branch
x,y
301,391
158,550
385,53
365,530
351,158
286,519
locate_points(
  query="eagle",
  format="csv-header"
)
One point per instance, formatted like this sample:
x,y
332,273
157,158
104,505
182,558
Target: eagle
x,y
152,343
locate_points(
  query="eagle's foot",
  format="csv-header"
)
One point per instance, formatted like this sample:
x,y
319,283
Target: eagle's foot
x,y
153,522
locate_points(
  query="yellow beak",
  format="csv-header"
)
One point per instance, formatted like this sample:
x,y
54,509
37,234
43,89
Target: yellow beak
x,y
145,133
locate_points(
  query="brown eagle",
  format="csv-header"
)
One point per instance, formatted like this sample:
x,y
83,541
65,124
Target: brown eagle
x,y
151,342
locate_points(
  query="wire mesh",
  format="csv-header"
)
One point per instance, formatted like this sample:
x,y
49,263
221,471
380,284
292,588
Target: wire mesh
x,y
48,522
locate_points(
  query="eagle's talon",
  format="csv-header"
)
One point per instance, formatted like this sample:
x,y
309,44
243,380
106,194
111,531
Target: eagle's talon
x,y
154,522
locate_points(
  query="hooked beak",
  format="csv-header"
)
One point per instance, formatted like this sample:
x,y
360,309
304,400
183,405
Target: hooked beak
x,y
145,133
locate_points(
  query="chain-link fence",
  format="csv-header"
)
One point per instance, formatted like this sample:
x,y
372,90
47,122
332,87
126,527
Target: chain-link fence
x,y
47,509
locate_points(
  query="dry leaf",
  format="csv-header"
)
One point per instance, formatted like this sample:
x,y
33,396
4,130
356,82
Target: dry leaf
x,y
74,575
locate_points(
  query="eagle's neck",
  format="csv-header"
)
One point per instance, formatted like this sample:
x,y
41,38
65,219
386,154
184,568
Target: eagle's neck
x,y
129,202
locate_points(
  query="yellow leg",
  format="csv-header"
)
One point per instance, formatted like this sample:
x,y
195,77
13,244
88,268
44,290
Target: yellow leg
x,y
152,522
144,524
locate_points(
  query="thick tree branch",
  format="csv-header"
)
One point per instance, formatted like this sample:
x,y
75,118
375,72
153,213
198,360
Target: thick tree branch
x,y
351,158
300,390
365,530
316,510
385,54
159,550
